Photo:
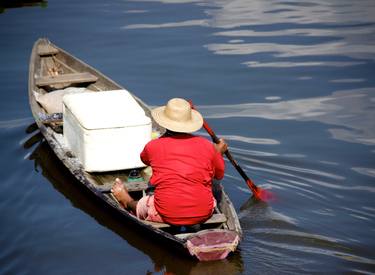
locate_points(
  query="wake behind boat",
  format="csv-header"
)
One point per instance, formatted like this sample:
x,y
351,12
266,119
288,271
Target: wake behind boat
x,y
96,127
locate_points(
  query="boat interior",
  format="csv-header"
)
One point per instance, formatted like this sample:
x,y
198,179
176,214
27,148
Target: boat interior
x,y
57,71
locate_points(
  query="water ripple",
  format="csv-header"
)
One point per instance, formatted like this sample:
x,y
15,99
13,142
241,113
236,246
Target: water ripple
x,y
301,236
301,170
264,141
317,250
252,152
239,13
290,64
348,80
287,50
15,123
359,212
303,190
335,109
331,29
365,171
336,32
189,23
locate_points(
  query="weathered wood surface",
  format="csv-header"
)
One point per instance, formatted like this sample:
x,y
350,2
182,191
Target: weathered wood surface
x,y
46,49
131,186
66,78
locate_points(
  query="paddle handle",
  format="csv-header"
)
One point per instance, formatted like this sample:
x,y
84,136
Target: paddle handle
x,y
215,139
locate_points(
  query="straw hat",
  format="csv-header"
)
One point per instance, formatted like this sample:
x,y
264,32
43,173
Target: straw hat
x,y
178,116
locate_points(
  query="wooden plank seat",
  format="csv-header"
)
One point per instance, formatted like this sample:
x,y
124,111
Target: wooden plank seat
x,y
131,186
47,49
215,218
66,78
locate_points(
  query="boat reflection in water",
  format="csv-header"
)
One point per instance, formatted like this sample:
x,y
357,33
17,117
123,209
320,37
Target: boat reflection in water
x,y
8,4
164,260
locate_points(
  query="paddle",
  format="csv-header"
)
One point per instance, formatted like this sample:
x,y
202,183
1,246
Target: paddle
x,y
258,193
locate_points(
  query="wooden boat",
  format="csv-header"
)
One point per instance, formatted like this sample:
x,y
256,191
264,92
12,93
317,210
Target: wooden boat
x,y
51,69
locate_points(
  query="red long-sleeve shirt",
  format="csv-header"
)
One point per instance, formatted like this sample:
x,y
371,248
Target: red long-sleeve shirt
x,y
183,167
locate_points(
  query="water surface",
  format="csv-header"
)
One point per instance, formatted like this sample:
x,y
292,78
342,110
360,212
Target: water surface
x,y
289,85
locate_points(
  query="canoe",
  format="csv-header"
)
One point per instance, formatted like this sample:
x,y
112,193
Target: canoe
x,y
53,69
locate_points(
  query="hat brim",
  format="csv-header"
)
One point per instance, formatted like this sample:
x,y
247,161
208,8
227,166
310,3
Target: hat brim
x,y
190,126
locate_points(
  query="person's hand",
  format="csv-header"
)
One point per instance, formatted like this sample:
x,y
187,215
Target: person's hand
x,y
222,146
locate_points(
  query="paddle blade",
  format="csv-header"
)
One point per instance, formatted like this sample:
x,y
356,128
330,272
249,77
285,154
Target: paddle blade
x,y
265,195
261,194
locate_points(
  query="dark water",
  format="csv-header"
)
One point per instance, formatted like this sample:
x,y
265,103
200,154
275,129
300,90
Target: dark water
x,y
289,84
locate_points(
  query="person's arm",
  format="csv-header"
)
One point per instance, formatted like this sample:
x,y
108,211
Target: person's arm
x,y
219,165
221,147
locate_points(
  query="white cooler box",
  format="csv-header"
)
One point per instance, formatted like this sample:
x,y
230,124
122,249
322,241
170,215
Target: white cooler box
x,y
106,131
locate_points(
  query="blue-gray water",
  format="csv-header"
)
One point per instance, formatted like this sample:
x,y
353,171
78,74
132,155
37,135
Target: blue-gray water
x,y
289,84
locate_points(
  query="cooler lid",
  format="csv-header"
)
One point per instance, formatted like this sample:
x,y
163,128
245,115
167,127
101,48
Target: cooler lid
x,y
108,109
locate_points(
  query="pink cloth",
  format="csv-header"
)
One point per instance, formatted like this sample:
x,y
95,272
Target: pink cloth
x,y
146,210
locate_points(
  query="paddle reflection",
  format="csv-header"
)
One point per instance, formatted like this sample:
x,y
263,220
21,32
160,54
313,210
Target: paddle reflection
x,y
165,260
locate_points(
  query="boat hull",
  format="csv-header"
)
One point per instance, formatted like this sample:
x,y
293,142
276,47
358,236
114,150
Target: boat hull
x,y
52,68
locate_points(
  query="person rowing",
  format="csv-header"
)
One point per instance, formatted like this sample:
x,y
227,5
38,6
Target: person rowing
x,y
183,168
